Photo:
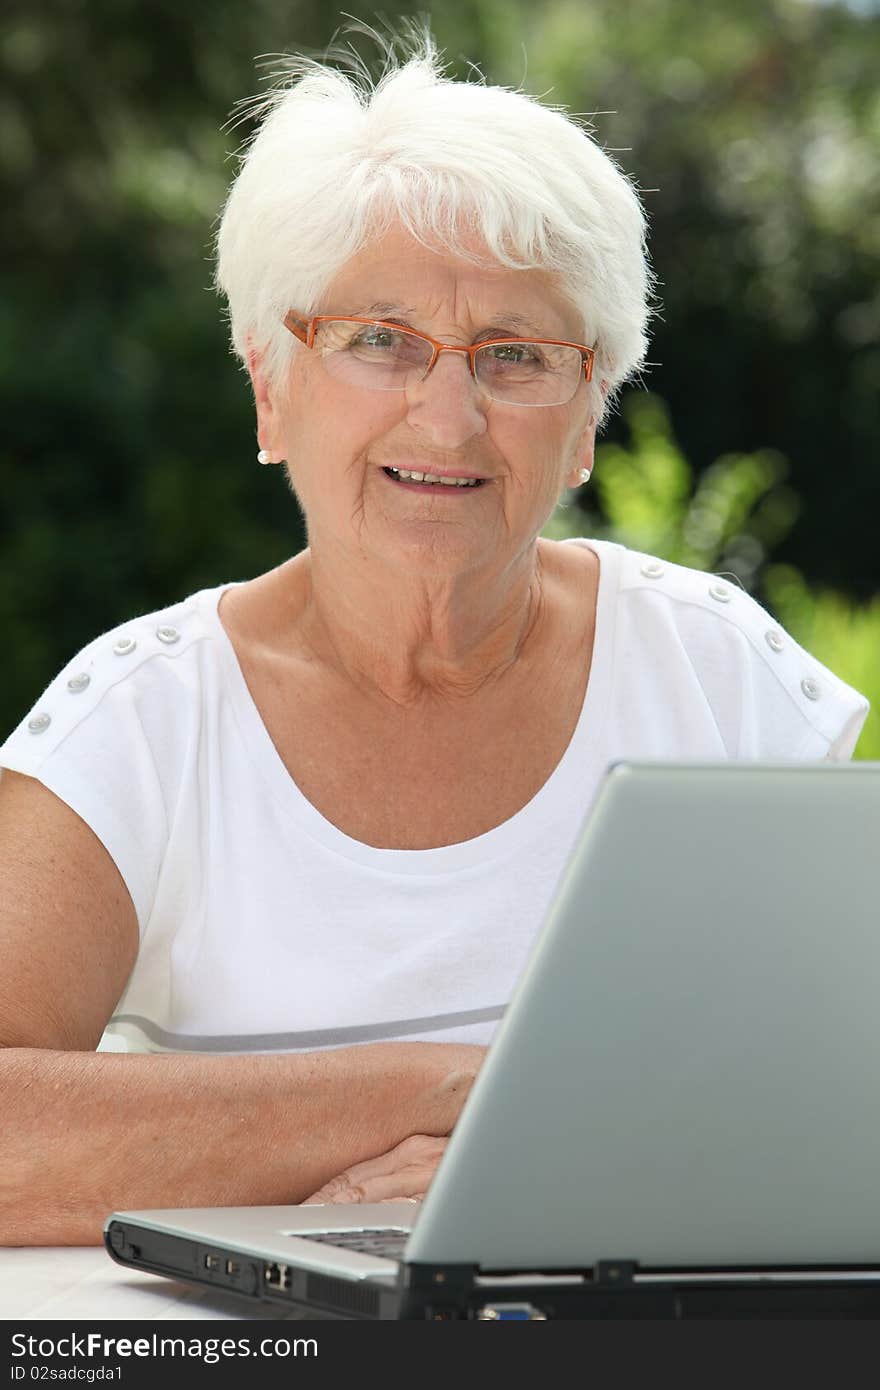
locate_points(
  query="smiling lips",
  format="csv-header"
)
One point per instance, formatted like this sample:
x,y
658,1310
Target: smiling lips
x,y
454,482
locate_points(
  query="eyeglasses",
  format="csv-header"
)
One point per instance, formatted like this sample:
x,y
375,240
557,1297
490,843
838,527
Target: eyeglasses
x,y
381,356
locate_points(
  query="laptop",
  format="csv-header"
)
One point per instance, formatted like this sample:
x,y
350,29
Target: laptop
x,y
678,1116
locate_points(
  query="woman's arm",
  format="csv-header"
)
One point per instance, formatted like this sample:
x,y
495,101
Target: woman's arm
x,y
83,1134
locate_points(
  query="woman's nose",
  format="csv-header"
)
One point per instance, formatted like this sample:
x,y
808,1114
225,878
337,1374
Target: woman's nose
x,y
448,407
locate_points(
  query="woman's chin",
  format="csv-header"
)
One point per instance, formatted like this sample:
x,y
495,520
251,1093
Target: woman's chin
x,y
447,546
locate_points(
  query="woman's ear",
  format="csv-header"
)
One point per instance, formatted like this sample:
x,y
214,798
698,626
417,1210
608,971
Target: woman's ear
x,y
583,455
268,422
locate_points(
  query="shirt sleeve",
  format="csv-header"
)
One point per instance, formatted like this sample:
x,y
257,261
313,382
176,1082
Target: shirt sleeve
x,y
90,739
778,700
769,698
812,714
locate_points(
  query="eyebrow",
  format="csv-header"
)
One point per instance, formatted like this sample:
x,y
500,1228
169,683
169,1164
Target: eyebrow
x,y
507,321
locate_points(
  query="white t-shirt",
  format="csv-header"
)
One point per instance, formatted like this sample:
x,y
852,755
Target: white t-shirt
x,y
266,928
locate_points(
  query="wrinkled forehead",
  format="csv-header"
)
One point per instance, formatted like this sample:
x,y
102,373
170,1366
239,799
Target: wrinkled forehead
x,y
396,277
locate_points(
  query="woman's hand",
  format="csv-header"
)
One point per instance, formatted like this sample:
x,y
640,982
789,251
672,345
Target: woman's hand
x,y
405,1171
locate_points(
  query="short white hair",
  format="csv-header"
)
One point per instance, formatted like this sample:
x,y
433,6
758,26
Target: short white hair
x,y
338,158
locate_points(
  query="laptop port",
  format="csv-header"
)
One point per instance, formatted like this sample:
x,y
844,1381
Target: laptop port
x,y
510,1312
276,1276
212,1262
233,1269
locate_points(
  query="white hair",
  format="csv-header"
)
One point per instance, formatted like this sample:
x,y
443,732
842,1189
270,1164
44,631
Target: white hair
x,y
338,159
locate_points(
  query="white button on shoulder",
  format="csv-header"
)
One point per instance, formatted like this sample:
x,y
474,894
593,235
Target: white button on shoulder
x,y
40,723
167,635
720,593
78,683
774,641
652,569
124,646
811,688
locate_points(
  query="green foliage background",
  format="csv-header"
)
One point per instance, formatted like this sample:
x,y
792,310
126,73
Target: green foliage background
x,y
127,471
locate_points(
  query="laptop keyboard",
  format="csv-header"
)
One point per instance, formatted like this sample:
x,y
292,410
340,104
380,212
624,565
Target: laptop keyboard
x,y
387,1241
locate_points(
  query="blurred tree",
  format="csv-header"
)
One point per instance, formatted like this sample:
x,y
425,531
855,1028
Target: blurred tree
x,y
754,128
644,495
127,456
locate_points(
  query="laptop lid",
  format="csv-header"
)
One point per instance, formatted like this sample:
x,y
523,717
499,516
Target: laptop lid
x,y
688,1073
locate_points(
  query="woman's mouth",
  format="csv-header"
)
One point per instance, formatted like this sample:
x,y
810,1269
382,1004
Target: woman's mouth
x,y
431,482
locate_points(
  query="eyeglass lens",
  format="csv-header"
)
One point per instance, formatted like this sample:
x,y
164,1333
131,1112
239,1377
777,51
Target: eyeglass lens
x,y
378,357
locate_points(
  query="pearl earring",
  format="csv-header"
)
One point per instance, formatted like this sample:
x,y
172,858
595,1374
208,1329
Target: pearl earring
x,y
263,456
585,474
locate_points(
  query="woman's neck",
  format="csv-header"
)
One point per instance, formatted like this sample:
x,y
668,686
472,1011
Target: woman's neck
x,y
417,641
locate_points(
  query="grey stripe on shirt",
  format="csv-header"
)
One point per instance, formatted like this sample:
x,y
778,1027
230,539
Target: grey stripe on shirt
x,y
316,1037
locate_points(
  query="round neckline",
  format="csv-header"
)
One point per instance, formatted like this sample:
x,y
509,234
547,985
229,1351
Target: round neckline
x,y
564,783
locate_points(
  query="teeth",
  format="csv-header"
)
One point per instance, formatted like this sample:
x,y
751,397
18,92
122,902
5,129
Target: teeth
x,y
433,478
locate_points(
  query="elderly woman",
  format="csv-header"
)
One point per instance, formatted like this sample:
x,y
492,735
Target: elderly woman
x,y
287,843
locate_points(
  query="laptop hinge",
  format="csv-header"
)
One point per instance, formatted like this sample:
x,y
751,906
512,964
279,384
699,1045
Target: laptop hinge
x,y
615,1272
438,1292
447,1280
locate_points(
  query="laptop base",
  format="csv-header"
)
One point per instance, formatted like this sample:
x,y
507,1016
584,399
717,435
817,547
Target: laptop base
x,y
614,1289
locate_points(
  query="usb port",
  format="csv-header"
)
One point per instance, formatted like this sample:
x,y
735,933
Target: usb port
x,y
232,1267
212,1262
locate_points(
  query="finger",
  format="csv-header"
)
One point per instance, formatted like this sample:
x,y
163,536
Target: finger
x,y
378,1187
345,1186
419,1151
339,1189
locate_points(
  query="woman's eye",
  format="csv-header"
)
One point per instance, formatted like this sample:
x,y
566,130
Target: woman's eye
x,y
378,338
514,353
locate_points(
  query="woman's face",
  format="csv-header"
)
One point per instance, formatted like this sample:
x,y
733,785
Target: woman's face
x,y
338,438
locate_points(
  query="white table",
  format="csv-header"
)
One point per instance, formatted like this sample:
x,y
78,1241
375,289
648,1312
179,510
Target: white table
x,y
79,1283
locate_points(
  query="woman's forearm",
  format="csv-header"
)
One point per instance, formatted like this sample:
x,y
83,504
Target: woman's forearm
x,y
83,1134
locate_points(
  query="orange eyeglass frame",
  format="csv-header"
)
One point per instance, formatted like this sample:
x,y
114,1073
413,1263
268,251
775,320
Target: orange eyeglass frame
x,y
305,329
